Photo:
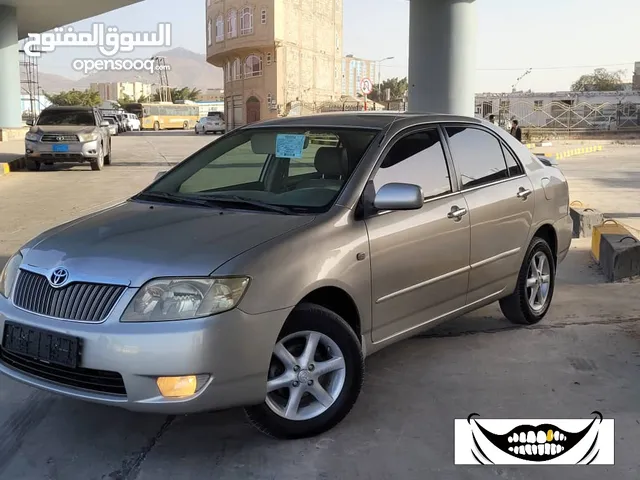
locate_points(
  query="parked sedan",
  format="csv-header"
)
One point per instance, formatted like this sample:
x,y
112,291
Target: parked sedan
x,y
113,125
267,283
210,125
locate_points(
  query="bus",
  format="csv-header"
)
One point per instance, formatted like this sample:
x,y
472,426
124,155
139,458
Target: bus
x,y
164,116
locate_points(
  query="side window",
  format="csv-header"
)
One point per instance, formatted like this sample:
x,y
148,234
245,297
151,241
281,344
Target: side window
x,y
512,164
477,155
417,158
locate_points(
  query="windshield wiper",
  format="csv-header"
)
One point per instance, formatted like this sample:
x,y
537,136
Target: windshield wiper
x,y
207,201
235,199
178,199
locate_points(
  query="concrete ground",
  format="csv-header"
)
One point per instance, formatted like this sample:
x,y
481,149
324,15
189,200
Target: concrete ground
x,y
584,356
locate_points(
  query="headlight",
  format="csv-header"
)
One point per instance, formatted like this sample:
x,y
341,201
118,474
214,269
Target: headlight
x,y
167,299
9,274
32,137
88,137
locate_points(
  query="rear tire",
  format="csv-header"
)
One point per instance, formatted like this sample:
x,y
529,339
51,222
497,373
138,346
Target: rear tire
x,y
32,165
156,126
335,372
530,301
98,163
185,126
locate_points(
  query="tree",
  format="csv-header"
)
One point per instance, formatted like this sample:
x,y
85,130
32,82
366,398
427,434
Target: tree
x,y
184,93
124,99
397,86
86,98
601,80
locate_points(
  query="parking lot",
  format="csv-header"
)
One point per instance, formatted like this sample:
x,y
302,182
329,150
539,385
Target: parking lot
x,y
584,356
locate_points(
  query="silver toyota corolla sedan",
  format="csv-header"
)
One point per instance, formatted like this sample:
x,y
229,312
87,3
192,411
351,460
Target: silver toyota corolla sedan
x,y
264,268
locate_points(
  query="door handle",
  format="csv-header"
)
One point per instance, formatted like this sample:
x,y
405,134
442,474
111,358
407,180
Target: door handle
x,y
523,193
457,213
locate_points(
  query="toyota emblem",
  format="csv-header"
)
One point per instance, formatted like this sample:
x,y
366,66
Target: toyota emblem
x,y
59,139
59,277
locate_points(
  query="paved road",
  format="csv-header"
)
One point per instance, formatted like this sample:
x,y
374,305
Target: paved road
x,y
584,356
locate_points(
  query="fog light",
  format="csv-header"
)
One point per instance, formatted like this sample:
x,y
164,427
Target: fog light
x,y
178,386
29,151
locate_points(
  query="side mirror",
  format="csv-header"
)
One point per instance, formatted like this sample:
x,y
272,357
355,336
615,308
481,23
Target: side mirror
x,y
30,122
399,196
159,174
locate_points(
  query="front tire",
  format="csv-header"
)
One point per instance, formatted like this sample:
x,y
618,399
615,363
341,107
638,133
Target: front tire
x,y
98,163
156,126
530,301
315,376
107,158
32,165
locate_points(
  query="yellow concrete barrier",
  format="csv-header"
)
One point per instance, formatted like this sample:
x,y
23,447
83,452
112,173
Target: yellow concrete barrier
x,y
609,226
578,151
4,169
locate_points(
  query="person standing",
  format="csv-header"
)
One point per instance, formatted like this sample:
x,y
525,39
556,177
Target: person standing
x,y
516,131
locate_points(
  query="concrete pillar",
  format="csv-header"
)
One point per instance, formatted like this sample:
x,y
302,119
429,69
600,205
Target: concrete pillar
x,y
442,56
10,105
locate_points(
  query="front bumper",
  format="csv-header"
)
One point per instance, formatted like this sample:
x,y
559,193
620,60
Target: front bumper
x,y
77,151
231,351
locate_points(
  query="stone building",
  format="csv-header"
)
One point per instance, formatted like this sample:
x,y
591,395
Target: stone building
x,y
274,52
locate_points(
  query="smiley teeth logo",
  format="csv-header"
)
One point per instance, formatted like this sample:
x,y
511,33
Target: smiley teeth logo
x,y
516,442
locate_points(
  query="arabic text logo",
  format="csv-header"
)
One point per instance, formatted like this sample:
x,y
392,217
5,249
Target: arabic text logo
x,y
108,40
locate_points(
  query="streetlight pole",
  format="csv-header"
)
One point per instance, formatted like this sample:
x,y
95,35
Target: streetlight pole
x,y
378,63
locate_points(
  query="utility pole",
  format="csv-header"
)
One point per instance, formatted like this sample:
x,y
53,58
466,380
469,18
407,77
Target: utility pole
x,y
378,63
163,89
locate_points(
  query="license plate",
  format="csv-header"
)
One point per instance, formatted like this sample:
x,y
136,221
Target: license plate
x,y
41,345
61,148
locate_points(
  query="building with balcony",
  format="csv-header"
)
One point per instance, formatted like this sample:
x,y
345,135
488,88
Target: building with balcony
x,y
274,52
353,71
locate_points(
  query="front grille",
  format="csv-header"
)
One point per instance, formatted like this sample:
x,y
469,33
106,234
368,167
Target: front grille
x,y
99,381
88,302
51,138
61,155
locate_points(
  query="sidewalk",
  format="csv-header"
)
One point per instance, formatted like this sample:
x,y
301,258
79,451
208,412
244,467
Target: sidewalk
x,y
10,152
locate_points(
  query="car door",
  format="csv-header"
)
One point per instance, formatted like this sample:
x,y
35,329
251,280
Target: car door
x,y
419,258
500,201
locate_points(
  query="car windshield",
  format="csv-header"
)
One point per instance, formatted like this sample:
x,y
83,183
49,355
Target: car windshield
x,y
302,170
110,120
66,117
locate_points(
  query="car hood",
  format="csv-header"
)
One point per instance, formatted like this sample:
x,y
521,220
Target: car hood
x,y
40,129
135,241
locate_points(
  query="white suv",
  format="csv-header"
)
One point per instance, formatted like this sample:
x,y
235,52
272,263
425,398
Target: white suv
x,y
132,121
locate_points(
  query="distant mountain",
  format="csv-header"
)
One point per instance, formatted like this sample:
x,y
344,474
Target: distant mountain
x,y
188,69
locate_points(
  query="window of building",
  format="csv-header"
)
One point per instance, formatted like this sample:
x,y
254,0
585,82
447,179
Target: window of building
x,y
219,29
228,72
478,156
269,99
418,158
232,24
269,58
236,70
246,21
253,66
537,105
209,39
208,3
263,16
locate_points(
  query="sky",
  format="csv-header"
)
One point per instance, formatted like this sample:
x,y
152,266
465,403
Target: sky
x,y
559,40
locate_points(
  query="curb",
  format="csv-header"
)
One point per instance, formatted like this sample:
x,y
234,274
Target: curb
x,y
12,166
538,144
616,250
578,151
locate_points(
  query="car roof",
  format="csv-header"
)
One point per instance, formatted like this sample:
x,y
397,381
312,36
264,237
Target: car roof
x,y
72,107
371,119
